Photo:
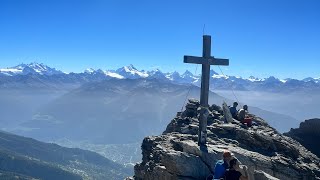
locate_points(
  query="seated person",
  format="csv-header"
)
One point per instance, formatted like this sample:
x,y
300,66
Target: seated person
x,y
243,116
233,173
242,113
233,110
222,165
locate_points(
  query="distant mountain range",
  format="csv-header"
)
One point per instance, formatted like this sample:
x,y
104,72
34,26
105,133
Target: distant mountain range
x,y
42,72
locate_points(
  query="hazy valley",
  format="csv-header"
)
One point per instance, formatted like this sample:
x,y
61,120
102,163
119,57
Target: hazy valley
x,y
112,114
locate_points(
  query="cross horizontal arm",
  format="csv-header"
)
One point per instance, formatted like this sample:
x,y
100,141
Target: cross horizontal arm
x,y
219,61
193,60
209,61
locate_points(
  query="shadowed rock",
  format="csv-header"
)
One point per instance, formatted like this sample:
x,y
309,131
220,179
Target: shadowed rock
x,y
308,134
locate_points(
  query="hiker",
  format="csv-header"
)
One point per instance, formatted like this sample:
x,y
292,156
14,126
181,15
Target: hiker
x,y
233,110
222,165
243,116
242,113
233,173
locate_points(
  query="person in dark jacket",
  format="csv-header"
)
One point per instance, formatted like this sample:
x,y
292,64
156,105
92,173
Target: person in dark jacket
x,y
233,173
233,110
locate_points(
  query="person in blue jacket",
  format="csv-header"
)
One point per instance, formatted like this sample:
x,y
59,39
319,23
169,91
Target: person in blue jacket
x,y
222,165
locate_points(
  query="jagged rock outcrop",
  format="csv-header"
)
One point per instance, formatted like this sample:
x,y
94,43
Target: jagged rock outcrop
x,y
258,174
308,134
176,155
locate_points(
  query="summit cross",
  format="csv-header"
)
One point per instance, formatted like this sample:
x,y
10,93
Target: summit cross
x,y
206,60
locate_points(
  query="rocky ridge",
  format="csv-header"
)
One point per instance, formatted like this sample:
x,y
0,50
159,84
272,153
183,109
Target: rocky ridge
x,y
306,134
176,155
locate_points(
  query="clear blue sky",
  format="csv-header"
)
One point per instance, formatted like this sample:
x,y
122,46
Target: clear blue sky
x,y
261,38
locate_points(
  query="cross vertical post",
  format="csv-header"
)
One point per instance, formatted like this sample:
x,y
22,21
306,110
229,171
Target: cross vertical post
x,y
205,72
206,60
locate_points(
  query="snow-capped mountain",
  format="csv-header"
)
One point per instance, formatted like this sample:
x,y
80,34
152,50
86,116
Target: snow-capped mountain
x,y
175,76
131,72
188,77
89,71
273,80
32,68
156,74
220,81
254,79
317,80
110,74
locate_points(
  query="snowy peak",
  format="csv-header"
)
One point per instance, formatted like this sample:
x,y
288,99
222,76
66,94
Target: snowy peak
x,y
157,74
188,77
89,71
187,74
156,71
272,79
175,76
310,79
131,72
254,79
94,72
212,73
130,68
101,72
32,68
39,68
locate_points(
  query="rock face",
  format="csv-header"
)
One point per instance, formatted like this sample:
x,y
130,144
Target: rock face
x,y
263,176
176,155
308,134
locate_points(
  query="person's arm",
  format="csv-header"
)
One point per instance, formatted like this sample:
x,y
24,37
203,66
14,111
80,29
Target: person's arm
x,y
245,176
242,177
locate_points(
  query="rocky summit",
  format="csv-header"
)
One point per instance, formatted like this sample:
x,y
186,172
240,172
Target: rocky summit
x,y
267,153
